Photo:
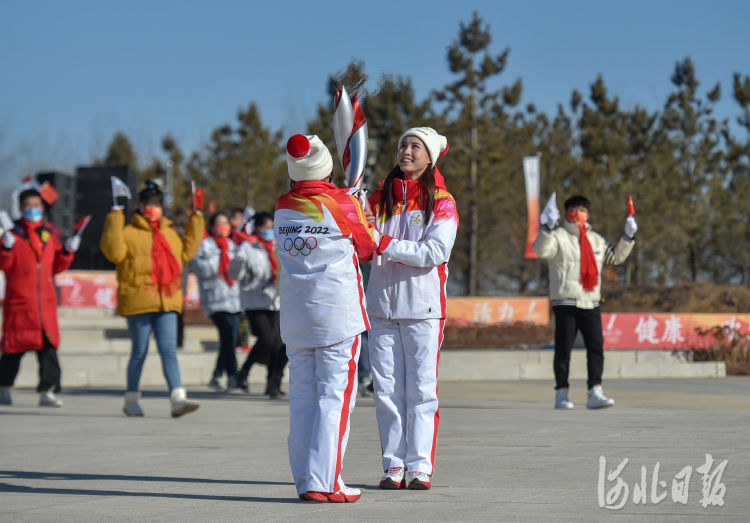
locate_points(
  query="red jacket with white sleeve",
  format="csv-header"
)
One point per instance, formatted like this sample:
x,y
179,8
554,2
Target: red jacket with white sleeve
x,y
408,276
322,235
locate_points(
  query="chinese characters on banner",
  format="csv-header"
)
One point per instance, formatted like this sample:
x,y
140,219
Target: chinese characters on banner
x,y
99,289
621,330
468,311
666,331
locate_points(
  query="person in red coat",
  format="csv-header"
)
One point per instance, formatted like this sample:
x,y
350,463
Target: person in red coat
x,y
30,255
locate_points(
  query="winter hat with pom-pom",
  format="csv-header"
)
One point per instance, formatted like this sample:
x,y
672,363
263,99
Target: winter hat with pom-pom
x,y
307,158
437,144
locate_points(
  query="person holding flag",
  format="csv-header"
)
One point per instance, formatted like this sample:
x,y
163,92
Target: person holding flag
x,y
322,235
149,255
576,255
406,299
256,268
30,256
220,295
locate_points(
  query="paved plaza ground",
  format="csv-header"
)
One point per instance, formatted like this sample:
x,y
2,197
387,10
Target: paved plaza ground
x,y
503,455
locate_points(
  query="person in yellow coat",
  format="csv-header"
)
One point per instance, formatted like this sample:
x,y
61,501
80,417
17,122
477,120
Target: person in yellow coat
x,y
149,255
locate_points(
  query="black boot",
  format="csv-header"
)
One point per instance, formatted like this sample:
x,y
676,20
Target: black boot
x,y
242,382
274,386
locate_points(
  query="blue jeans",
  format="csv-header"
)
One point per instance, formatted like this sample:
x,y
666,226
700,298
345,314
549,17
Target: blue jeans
x,y
164,326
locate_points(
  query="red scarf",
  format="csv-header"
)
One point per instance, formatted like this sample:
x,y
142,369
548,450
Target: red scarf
x,y
165,271
33,231
589,270
269,246
223,244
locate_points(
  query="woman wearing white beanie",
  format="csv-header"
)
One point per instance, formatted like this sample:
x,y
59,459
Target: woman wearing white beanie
x,y
417,219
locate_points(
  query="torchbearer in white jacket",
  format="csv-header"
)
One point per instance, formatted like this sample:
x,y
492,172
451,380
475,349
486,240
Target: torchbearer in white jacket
x,y
417,219
576,255
322,235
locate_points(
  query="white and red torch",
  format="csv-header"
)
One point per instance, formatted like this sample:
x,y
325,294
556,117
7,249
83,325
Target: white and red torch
x,y
350,132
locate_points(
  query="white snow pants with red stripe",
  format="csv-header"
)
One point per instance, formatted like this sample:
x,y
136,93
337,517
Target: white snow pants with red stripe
x,y
322,392
404,356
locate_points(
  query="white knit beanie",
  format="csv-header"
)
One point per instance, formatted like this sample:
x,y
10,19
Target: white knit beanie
x,y
437,144
307,158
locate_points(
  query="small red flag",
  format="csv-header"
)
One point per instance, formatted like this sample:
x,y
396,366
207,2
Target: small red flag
x,y
631,207
81,224
48,193
211,207
198,194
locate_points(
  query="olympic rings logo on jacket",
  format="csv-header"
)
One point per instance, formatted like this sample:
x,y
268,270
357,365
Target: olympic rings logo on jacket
x,y
299,245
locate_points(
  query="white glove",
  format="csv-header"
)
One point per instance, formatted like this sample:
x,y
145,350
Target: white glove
x,y
630,227
9,240
550,213
72,243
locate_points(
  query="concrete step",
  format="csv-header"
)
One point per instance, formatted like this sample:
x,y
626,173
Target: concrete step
x,y
86,334
108,370
122,346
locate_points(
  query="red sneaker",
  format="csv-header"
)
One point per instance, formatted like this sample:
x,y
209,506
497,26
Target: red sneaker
x,y
319,497
345,495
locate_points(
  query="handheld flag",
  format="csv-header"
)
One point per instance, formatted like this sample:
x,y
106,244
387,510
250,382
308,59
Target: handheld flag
x,y
198,195
119,189
48,193
5,222
631,207
81,224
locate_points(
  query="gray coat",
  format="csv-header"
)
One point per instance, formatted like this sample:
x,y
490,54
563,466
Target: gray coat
x,y
252,269
215,293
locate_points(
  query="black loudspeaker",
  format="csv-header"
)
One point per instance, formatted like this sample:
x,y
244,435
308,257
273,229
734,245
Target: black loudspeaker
x,y
93,195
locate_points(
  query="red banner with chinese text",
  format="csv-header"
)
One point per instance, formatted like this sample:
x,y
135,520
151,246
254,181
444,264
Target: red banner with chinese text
x,y
666,331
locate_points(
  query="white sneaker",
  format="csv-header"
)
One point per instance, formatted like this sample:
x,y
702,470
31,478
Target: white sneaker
x,y
48,399
393,479
180,404
561,399
597,399
132,408
418,481
5,398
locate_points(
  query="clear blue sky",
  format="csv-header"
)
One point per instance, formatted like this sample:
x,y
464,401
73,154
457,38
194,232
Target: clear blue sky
x,y
74,72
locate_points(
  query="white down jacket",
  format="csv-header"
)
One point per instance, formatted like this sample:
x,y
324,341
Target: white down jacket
x,y
561,248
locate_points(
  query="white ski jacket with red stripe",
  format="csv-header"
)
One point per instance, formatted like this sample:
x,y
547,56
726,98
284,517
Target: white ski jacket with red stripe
x,y
408,276
322,235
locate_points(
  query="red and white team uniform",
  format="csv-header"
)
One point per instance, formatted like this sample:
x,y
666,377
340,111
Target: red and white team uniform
x,y
406,302
322,235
